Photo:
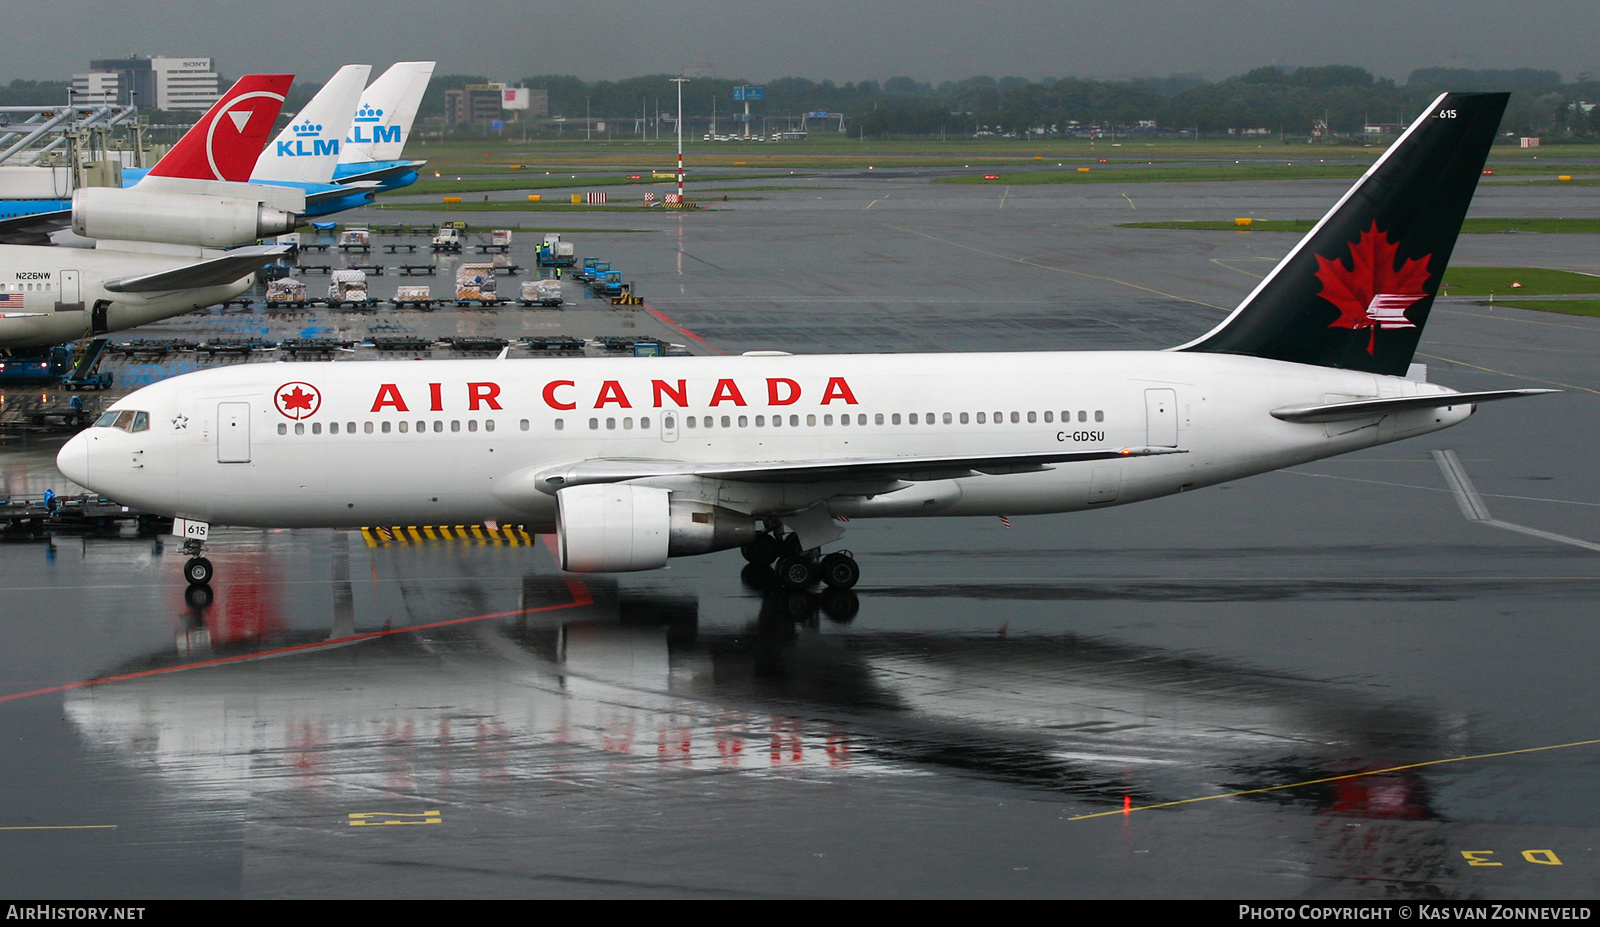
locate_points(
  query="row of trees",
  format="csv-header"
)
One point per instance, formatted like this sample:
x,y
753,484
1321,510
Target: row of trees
x,y
1278,99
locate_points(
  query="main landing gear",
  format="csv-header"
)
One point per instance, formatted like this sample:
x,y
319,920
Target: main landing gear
x,y
794,568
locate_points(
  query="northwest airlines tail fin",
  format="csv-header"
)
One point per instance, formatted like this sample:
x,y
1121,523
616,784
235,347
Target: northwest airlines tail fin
x,y
223,145
308,149
388,107
1356,291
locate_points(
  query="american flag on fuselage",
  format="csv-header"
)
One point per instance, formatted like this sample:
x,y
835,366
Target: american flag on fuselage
x,y
10,300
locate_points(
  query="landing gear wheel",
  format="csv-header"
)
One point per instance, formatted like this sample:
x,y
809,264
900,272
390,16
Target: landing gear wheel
x,y
839,571
762,549
198,571
796,573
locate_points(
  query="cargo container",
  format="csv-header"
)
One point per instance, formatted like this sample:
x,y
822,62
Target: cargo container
x,y
348,287
541,293
286,292
556,254
475,283
413,297
355,240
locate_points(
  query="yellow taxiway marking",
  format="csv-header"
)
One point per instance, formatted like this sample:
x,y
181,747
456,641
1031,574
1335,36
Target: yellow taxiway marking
x,y
877,201
1296,785
1003,194
63,827
1224,262
1130,201
384,818
1063,270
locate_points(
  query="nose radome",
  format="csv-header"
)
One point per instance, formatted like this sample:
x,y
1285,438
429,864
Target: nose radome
x,y
73,459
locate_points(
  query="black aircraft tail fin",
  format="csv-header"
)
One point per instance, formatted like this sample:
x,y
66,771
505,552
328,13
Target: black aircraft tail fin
x,y
1356,291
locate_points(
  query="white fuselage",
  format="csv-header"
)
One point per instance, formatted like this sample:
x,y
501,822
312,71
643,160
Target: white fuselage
x,y
59,288
458,442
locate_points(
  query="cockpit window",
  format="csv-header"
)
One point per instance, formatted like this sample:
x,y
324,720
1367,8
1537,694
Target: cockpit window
x,y
125,419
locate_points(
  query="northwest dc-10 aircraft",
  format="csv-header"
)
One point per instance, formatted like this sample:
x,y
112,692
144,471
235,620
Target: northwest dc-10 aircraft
x,y
158,249
635,461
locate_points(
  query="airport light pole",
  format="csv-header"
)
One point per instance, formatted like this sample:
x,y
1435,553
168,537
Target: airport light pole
x,y
680,81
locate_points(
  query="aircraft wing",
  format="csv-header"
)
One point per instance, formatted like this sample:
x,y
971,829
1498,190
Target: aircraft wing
x,y
1366,408
34,229
213,272
377,177
860,469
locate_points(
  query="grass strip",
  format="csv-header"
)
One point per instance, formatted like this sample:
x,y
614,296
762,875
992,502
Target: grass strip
x,y
1564,306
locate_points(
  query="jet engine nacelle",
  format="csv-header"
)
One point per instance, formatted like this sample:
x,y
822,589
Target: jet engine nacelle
x,y
115,214
622,528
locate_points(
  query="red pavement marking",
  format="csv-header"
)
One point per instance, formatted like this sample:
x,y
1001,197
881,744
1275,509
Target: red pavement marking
x,y
580,598
662,317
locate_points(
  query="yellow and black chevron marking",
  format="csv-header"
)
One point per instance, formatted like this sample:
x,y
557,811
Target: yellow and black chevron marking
x,y
627,300
385,535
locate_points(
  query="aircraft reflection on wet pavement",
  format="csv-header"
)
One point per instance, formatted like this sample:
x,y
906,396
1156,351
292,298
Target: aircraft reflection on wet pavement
x,y
588,679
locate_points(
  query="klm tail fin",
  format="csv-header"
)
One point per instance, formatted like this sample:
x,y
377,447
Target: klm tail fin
x,y
223,145
388,108
307,150
1356,291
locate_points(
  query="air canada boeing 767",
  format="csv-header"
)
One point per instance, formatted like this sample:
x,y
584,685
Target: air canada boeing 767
x,y
633,461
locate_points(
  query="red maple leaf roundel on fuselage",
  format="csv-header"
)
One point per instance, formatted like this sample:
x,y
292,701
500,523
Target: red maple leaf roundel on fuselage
x,y
1371,292
297,400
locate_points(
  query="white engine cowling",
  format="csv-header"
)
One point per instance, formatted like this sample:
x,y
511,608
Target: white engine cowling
x,y
620,528
613,528
116,214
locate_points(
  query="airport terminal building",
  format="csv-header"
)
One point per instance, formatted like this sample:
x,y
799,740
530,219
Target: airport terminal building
x,y
166,83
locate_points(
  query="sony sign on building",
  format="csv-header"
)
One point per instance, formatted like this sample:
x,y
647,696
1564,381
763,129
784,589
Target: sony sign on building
x,y
166,83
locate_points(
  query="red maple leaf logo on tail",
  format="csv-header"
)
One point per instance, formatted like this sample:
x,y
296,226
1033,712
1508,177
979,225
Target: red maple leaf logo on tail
x,y
1372,293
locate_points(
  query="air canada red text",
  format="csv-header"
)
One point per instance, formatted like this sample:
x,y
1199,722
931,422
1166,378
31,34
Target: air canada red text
x,y
567,395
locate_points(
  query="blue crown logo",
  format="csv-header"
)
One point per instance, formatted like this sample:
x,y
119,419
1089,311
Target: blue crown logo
x,y
367,114
306,129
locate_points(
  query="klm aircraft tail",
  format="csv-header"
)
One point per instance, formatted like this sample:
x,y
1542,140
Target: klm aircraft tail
x,y
308,149
1356,291
388,108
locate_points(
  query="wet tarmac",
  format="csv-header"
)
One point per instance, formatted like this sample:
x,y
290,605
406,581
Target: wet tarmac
x,y
1320,683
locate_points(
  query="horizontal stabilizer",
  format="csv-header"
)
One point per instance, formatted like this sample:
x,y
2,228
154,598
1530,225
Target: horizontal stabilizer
x,y
34,229
341,191
390,170
829,471
217,271
1367,408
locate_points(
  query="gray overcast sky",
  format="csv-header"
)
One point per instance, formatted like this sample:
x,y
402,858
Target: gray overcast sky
x,y
930,40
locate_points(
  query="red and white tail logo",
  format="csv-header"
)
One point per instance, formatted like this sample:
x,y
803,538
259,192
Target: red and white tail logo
x,y
224,144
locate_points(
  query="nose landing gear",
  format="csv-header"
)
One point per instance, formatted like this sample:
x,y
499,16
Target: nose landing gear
x,y
198,569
